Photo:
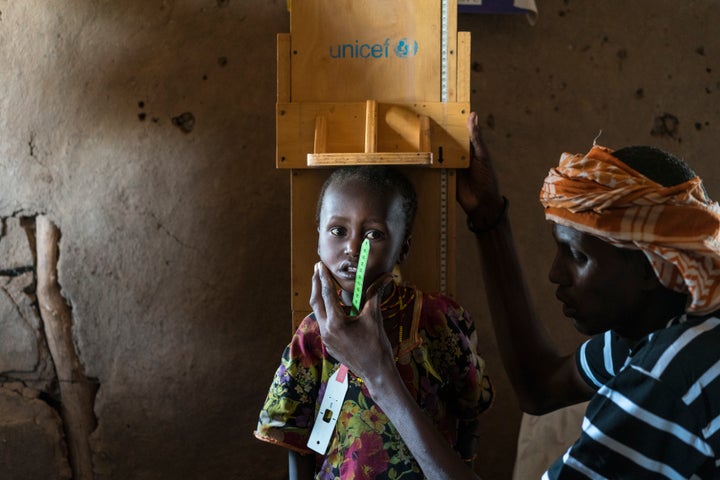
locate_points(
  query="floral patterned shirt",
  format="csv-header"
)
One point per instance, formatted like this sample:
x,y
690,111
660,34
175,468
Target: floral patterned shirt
x,y
434,340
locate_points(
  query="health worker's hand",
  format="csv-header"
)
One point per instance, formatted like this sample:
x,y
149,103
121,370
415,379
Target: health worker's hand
x,y
478,192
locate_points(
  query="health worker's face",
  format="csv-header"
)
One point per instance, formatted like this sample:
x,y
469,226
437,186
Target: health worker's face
x,y
351,213
599,285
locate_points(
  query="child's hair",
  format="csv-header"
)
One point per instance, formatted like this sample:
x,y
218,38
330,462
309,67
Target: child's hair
x,y
380,179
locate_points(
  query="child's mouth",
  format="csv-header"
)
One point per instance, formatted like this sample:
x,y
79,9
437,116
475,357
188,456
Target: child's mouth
x,y
348,271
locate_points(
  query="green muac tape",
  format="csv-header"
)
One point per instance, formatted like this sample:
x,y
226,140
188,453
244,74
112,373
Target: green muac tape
x,y
360,277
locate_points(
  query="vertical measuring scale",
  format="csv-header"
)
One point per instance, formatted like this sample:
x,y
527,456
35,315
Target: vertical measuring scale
x,y
444,35
338,382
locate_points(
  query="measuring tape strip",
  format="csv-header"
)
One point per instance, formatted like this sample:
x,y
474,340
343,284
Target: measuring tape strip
x,y
444,97
360,277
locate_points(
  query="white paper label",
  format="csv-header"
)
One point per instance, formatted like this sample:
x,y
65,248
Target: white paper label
x,y
329,411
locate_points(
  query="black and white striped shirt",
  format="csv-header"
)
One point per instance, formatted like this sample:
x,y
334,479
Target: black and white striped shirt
x,y
656,413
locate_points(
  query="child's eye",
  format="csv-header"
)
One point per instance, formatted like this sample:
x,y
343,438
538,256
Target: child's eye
x,y
337,231
374,235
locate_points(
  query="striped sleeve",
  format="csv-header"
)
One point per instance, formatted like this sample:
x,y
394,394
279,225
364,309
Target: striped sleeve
x,y
659,417
600,358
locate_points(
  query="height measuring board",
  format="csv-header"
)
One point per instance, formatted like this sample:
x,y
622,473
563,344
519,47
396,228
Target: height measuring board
x,y
375,82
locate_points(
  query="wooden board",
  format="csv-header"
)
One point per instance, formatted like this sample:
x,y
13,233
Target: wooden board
x,y
283,68
353,50
345,131
359,81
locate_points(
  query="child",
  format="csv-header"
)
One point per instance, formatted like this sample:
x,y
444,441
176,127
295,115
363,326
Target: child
x,y
433,339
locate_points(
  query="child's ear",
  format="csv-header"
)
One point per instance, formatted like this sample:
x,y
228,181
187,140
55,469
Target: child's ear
x,y
404,250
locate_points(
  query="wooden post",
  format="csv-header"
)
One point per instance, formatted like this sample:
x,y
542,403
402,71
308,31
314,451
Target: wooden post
x,y
371,126
77,392
320,143
412,127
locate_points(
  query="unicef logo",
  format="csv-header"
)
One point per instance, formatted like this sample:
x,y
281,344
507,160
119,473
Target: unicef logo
x,y
403,48
406,48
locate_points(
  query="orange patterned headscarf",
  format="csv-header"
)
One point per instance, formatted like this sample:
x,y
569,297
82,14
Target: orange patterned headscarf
x,y
678,228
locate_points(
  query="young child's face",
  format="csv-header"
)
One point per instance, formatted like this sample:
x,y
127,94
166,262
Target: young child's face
x,y
349,214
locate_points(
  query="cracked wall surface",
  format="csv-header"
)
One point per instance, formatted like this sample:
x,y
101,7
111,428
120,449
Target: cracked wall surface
x,y
24,354
31,427
23,350
52,415
145,131
31,436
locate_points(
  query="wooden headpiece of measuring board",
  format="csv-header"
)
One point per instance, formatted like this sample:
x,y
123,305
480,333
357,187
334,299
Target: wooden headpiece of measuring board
x,y
374,82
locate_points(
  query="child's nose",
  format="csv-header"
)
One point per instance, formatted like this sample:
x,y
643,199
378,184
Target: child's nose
x,y
352,247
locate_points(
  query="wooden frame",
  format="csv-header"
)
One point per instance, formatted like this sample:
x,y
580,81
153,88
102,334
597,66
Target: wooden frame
x,y
361,82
